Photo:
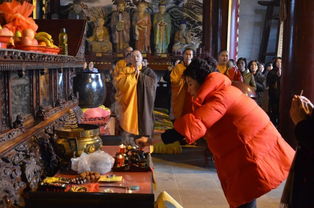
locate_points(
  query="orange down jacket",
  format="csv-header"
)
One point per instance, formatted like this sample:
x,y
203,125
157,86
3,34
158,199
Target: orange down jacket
x,y
250,155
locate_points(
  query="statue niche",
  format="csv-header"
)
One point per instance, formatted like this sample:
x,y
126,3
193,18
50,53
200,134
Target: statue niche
x,y
162,30
120,27
100,41
142,25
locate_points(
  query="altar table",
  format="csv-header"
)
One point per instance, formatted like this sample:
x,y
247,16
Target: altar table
x,y
117,197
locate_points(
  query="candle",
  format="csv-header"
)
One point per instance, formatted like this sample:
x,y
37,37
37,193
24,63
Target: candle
x,y
120,160
122,148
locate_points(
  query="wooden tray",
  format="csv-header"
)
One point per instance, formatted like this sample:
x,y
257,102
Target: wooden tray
x,y
40,49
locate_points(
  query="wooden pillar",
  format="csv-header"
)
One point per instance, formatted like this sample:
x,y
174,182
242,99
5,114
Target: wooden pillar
x,y
222,30
208,26
233,29
298,59
215,26
211,24
266,29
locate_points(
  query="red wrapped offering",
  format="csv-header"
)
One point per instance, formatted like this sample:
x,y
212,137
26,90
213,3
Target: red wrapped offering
x,y
17,15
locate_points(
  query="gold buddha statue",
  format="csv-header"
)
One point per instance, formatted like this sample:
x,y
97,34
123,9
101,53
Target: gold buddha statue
x,y
100,40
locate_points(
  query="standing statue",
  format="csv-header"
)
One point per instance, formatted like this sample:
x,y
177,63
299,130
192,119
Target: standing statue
x,y
142,26
183,39
99,41
162,29
120,27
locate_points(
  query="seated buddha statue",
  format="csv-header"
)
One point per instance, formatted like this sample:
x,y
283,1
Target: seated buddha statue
x,y
183,39
100,41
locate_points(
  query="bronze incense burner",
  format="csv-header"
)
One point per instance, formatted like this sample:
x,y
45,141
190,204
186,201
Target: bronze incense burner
x,y
72,142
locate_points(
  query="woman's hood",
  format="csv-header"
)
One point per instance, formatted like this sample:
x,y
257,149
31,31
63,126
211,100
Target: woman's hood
x,y
214,82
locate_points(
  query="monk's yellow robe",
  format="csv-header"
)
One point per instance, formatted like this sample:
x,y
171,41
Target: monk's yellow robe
x,y
180,99
126,96
120,65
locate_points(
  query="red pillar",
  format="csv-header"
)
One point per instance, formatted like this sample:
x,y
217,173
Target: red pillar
x,y
298,60
224,12
234,29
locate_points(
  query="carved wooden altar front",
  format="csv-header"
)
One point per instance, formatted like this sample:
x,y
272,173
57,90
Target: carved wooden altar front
x,y
35,98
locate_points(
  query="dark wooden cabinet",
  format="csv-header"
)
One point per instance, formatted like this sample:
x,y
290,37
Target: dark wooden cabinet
x,y
36,97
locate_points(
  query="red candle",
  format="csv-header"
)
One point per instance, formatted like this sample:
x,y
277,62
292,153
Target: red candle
x,y
122,148
120,160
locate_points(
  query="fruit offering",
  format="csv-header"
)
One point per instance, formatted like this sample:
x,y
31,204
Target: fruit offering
x,y
5,31
27,38
17,36
17,15
5,37
22,27
45,39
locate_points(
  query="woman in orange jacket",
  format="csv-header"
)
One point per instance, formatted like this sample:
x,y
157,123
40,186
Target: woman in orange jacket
x,y
250,155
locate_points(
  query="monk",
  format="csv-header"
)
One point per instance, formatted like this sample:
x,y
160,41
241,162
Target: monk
x,y
180,99
136,87
123,62
233,73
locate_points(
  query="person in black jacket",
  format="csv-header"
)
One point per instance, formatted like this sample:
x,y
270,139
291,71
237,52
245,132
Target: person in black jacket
x,y
298,191
260,81
273,82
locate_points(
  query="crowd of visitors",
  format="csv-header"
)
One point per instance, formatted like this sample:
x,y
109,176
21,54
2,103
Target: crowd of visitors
x,y
262,78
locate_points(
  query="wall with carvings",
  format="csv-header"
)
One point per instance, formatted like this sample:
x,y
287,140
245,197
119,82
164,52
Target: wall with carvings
x,y
180,10
22,168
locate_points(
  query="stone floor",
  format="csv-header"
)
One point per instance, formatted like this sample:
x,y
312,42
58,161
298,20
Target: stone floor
x,y
194,185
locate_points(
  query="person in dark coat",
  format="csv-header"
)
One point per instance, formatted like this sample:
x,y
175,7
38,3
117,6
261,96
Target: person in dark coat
x,y
273,83
298,190
248,77
268,68
260,81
